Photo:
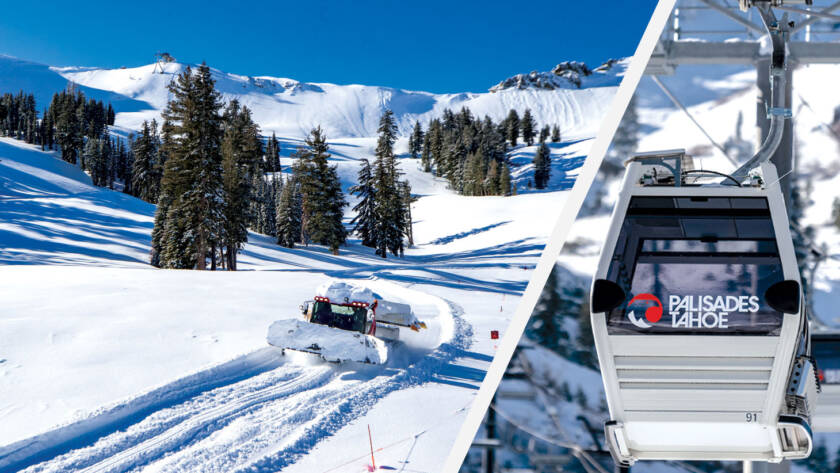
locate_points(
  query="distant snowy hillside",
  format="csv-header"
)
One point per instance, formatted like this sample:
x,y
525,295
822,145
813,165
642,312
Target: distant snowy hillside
x,y
291,108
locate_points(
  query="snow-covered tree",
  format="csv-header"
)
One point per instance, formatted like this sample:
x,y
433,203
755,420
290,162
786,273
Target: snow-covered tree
x,y
415,140
323,199
426,153
146,172
365,220
289,212
546,323
192,176
272,154
389,210
242,152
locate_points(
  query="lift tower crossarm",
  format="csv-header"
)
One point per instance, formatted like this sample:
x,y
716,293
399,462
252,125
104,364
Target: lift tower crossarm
x,y
778,109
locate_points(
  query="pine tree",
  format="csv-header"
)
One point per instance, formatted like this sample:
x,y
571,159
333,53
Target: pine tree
x,y
365,220
272,154
389,209
289,212
68,133
512,127
555,134
323,199
146,172
161,212
528,127
473,180
426,155
546,323
90,155
818,460
492,181
241,150
193,172
505,180
542,166
407,200
544,134
626,138
415,141
585,353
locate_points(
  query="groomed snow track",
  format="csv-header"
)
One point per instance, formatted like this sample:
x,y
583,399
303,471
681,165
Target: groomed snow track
x,y
254,413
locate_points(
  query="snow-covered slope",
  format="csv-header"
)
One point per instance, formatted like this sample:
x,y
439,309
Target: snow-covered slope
x,y
291,108
124,356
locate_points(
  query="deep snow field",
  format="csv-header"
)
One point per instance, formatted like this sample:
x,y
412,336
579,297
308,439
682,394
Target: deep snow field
x,y
714,96
107,364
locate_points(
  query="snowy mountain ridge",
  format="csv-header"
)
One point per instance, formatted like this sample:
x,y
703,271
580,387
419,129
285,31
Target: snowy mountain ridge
x,y
291,108
566,75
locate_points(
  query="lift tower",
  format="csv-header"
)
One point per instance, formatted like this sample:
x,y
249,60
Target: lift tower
x,y
807,43
161,60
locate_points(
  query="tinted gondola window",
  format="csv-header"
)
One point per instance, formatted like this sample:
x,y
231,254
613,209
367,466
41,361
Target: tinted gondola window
x,y
696,266
827,353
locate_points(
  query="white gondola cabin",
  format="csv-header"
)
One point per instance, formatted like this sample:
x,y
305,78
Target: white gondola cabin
x,y
698,319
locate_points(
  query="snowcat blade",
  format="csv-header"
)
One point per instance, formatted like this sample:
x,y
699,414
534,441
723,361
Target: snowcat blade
x,y
329,343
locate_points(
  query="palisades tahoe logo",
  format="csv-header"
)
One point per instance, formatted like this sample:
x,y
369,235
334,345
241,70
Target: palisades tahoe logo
x,y
696,311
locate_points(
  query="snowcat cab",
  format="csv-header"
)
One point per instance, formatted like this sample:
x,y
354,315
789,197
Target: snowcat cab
x,y
825,347
352,316
698,319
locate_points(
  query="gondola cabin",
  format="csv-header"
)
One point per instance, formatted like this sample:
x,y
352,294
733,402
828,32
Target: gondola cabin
x,y
698,318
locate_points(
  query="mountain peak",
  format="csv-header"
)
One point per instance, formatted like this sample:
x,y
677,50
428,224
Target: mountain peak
x,y
565,75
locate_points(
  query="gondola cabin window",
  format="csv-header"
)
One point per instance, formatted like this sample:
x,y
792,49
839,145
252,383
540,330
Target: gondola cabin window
x,y
696,265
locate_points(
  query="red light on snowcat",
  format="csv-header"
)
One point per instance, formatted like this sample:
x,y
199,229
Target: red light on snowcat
x,y
494,335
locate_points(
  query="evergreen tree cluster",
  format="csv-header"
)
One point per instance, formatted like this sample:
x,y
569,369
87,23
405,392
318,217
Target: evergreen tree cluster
x,y
558,306
308,207
19,119
213,179
73,124
383,214
471,153
71,121
821,460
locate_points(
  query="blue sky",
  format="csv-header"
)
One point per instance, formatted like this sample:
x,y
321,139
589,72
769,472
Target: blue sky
x,y
437,46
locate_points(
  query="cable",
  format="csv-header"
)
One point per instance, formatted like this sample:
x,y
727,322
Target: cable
x,y
702,171
682,107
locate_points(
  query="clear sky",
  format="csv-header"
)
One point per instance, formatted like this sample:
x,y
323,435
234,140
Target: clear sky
x,y
437,46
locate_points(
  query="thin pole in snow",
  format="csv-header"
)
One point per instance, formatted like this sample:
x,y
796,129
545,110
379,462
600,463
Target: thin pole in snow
x,y
370,438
